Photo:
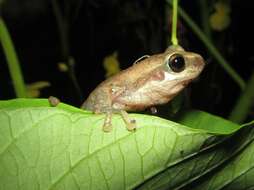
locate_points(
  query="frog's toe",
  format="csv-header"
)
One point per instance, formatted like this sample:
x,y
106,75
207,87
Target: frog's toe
x,y
131,126
107,128
130,123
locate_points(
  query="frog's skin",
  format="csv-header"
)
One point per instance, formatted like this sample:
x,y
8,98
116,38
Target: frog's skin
x,y
147,83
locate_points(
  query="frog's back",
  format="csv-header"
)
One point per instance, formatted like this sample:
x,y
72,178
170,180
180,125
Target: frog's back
x,y
102,96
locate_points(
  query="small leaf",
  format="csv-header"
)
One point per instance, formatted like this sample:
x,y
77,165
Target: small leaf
x,y
220,19
33,89
111,64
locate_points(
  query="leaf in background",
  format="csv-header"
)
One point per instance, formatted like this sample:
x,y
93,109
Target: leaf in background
x,y
220,19
213,124
196,170
34,89
63,147
237,172
111,64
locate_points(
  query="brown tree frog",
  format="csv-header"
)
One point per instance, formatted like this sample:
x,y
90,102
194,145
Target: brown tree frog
x,y
150,81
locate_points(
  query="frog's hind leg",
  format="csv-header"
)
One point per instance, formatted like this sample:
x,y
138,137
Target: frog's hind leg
x,y
130,123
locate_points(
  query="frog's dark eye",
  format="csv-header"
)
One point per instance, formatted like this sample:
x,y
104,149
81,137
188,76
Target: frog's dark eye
x,y
176,62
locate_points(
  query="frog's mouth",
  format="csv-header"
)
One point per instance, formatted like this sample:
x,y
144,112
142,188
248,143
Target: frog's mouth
x,y
186,82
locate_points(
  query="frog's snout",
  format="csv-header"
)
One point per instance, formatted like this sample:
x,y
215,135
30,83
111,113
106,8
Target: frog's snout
x,y
199,62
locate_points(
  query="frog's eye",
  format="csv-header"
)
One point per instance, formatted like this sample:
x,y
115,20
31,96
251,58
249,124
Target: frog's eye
x,y
176,62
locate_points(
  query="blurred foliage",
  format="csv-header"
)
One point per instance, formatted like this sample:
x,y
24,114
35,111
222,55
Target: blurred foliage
x,y
244,103
220,19
25,9
62,67
12,60
33,90
111,64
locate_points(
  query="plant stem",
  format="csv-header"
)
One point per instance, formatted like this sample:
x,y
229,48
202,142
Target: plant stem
x,y
211,48
63,30
244,103
174,24
204,13
12,61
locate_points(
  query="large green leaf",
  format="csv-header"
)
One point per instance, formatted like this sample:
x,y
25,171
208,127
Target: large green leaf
x,y
63,147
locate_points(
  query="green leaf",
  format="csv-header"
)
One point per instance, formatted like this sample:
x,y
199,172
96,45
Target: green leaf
x,y
198,169
63,147
238,170
237,174
213,124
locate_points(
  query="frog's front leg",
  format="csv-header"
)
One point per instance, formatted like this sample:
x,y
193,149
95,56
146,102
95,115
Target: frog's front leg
x,y
102,101
130,123
107,125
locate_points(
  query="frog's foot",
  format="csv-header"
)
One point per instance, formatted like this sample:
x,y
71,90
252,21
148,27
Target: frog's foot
x,y
130,123
153,110
107,126
53,101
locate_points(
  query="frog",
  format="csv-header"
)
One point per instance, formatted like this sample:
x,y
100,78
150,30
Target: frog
x,y
150,81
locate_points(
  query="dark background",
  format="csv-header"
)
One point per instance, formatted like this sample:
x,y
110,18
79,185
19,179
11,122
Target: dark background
x,y
97,28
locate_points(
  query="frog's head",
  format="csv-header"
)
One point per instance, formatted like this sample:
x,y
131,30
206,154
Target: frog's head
x,y
158,78
181,65
178,67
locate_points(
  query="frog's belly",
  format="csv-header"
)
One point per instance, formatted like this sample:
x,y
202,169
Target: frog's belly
x,y
144,98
